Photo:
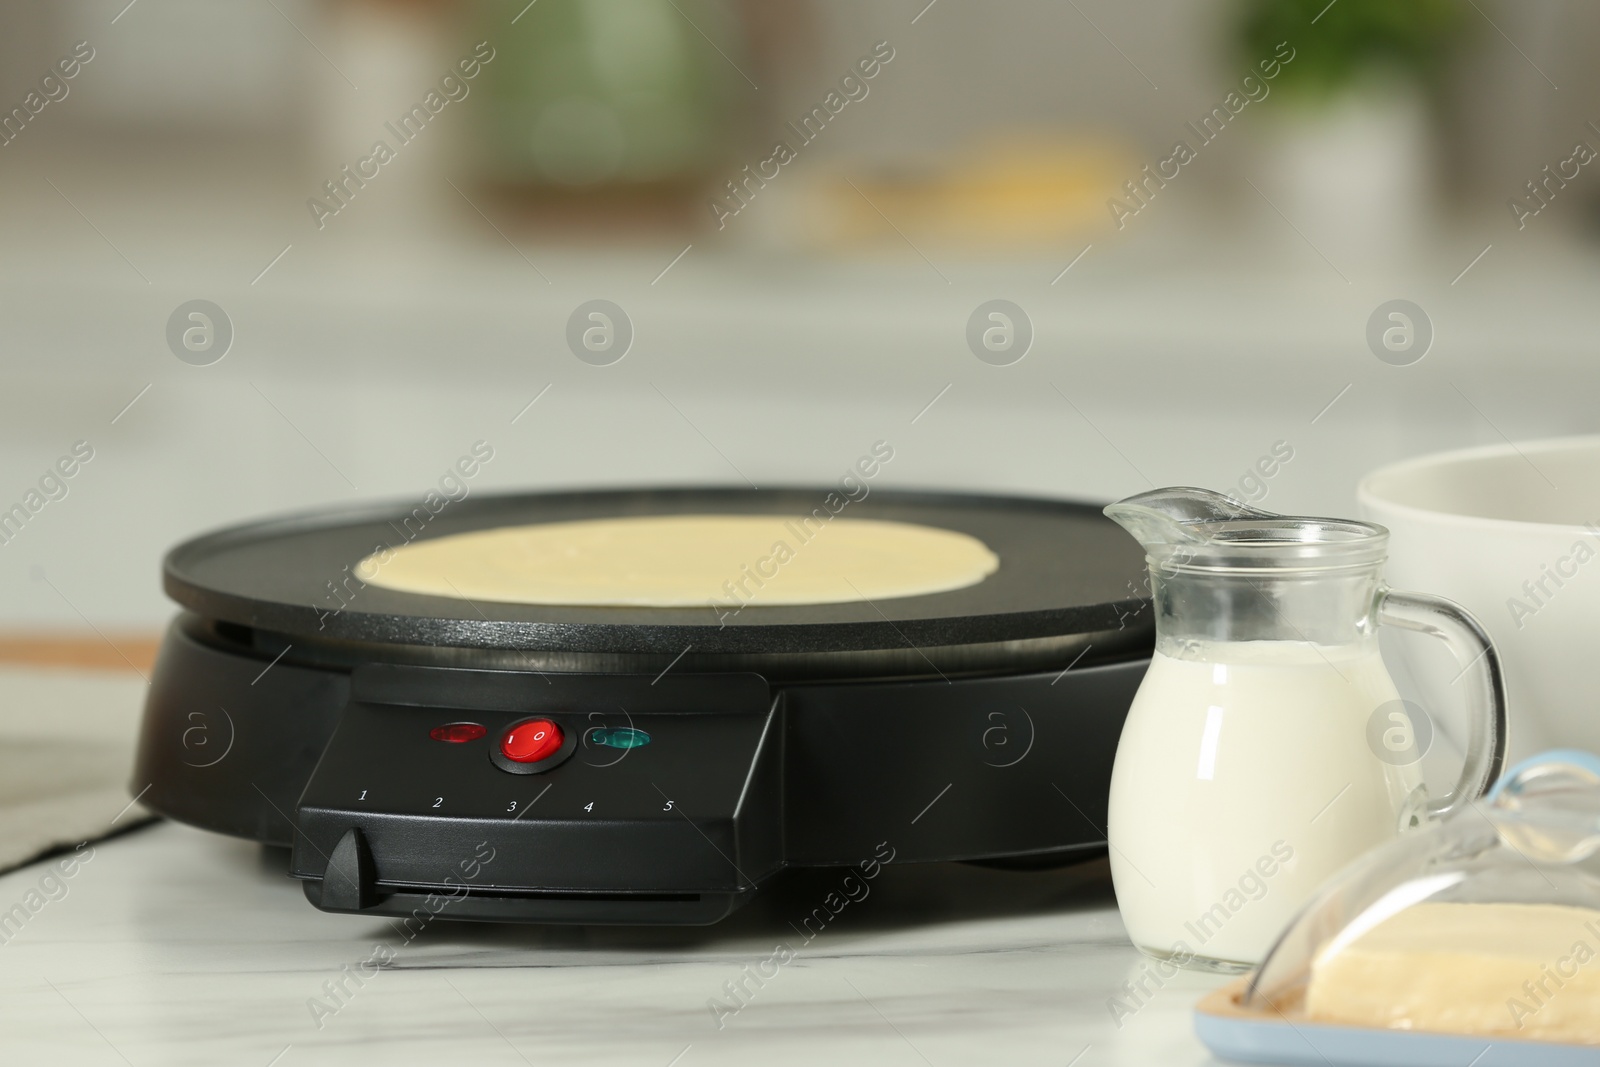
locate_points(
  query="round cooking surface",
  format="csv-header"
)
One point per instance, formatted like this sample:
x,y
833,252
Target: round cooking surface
x,y
1064,571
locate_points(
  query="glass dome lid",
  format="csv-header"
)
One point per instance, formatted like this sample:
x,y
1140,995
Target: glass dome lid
x,y
1484,923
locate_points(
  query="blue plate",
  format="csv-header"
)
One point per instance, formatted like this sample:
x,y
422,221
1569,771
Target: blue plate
x,y
1234,1036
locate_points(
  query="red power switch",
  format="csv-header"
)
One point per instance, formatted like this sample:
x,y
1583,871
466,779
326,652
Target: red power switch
x,y
531,741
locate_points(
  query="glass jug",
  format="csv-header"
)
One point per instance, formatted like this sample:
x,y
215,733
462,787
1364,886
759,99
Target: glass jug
x,y
1267,746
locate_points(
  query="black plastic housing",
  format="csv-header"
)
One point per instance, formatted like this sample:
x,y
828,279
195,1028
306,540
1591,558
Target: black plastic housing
x,y
740,778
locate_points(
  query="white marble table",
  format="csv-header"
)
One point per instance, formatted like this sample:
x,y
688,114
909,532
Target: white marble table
x,y
174,946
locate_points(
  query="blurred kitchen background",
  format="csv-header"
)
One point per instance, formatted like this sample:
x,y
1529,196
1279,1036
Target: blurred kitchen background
x,y
771,336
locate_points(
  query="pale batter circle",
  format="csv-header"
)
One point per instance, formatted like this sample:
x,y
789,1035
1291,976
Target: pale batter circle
x,y
667,561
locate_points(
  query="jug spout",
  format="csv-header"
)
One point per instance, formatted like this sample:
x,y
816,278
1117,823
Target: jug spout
x,y
1177,516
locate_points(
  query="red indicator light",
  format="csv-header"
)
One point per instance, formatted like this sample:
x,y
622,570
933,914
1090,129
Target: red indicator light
x,y
457,732
531,741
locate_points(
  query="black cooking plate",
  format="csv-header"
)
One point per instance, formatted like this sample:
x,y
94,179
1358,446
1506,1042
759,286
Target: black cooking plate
x,y
1064,570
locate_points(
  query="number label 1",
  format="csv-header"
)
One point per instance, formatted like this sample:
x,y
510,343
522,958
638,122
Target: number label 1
x,y
363,795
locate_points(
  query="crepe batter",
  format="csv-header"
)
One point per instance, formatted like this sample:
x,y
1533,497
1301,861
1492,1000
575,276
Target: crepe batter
x,y
671,561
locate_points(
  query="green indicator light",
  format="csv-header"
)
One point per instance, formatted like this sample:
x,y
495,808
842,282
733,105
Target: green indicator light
x,y
623,737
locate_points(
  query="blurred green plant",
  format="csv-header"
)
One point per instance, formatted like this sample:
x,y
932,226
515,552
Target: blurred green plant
x,y
612,92
1346,43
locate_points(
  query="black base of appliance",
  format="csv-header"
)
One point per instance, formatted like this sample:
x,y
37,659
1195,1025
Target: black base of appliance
x,y
703,752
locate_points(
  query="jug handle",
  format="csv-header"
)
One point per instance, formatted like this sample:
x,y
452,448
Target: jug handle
x,y
1486,687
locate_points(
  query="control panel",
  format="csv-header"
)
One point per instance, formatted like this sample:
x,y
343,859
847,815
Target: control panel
x,y
588,791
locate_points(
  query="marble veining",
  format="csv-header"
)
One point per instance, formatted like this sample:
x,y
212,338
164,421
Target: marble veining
x,y
173,946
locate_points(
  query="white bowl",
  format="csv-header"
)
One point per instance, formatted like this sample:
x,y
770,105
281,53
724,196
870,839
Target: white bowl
x,y
1511,532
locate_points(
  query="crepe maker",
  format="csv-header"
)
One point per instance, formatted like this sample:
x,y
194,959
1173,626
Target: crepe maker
x,y
667,760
